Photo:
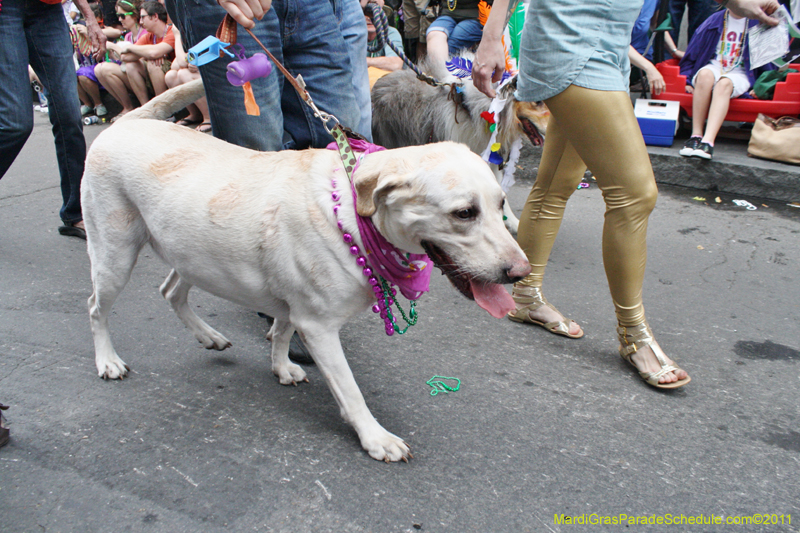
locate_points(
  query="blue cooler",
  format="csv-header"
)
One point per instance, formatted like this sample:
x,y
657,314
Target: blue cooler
x,y
658,120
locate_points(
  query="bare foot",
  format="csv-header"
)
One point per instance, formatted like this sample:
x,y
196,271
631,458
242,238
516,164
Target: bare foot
x,y
79,224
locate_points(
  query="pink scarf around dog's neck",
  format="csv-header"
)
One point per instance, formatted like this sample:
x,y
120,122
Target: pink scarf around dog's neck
x,y
410,272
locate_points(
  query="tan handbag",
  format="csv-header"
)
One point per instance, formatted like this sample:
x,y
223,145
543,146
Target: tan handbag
x,y
776,139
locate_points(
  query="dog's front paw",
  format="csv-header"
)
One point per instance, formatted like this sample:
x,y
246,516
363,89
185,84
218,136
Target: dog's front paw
x,y
290,374
212,340
384,446
112,368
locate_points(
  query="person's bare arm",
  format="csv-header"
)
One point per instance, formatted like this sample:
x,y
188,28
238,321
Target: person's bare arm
x,y
149,52
654,77
385,63
112,34
490,58
96,35
673,48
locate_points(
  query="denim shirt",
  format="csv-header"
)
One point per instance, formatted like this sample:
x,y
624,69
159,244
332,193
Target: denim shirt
x,y
580,42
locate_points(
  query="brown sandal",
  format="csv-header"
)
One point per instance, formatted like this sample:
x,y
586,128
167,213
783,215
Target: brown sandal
x,y
532,299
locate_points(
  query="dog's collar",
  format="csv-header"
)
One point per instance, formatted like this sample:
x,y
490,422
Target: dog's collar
x,y
387,265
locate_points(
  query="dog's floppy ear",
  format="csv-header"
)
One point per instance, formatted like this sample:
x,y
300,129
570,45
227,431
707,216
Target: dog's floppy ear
x,y
375,178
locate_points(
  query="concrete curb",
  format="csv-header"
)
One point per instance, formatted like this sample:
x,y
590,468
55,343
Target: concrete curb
x,y
730,171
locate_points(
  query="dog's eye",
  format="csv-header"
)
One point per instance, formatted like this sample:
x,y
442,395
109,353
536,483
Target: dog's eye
x,y
466,214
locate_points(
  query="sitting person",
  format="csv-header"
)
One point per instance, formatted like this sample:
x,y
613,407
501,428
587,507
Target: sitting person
x,y
384,59
88,84
147,61
182,72
110,73
717,65
456,28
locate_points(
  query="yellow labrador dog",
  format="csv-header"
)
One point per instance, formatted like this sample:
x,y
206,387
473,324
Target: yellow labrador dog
x,y
259,229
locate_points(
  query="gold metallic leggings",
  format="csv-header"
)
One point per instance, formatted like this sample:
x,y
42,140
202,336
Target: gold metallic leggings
x,y
598,129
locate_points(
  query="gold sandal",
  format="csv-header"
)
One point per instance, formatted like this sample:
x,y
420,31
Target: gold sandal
x,y
532,299
631,339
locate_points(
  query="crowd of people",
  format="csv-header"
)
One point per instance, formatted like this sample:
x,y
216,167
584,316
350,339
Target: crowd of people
x,y
575,55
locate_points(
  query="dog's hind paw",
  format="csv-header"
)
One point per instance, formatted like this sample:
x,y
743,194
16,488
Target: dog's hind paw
x,y
112,369
291,374
387,447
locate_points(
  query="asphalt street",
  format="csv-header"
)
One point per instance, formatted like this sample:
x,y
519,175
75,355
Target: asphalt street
x,y
541,426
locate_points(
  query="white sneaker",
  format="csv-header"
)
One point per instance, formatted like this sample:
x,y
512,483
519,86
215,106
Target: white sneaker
x,y
85,110
100,110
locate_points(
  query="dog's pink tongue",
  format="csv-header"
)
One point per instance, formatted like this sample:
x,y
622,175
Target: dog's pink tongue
x,y
493,297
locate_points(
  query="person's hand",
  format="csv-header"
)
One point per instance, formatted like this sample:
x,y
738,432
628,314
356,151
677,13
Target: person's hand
x,y
755,9
244,11
689,89
656,80
98,39
488,66
157,61
678,54
122,47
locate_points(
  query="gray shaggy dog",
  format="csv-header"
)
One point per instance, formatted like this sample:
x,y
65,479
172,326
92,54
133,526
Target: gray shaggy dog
x,y
407,112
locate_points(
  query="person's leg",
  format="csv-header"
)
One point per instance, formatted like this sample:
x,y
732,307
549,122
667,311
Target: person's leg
x,y
171,79
196,21
354,31
437,36
701,99
720,101
116,83
51,52
699,11
91,89
313,46
560,171
198,111
411,20
464,36
137,74
603,129
156,74
676,9
16,111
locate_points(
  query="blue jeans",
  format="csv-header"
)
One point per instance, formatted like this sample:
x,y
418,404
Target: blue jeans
x,y
460,35
35,33
305,36
699,11
354,31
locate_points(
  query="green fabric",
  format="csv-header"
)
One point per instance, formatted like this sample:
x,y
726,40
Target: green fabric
x,y
764,86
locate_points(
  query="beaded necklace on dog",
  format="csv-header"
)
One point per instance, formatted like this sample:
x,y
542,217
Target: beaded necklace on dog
x,y
410,272
737,58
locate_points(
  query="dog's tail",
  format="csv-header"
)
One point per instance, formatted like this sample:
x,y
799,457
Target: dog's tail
x,y
167,103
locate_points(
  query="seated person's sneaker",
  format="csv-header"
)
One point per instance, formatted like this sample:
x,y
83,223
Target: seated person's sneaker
x,y
704,150
85,110
690,146
100,110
